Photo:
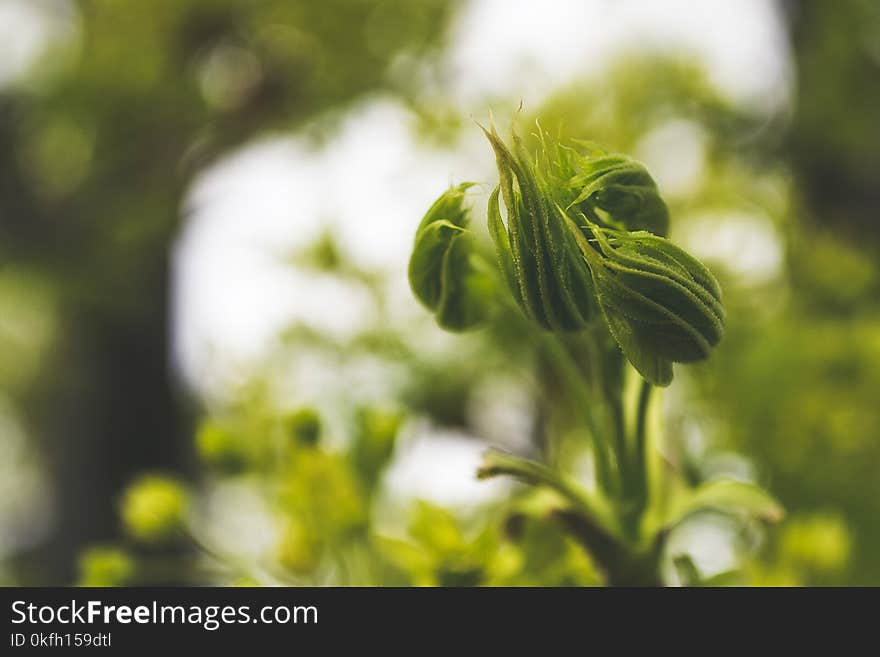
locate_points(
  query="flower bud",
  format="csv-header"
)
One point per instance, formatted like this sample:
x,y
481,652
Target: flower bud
x,y
154,508
661,304
443,272
538,256
618,192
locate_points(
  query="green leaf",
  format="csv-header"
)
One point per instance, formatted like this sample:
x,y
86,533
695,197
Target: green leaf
x,y
654,368
538,257
620,191
738,498
661,305
444,273
427,260
530,472
498,233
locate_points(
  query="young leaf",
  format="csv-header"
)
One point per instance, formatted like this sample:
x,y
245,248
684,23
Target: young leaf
x,y
538,257
619,191
660,304
443,272
739,498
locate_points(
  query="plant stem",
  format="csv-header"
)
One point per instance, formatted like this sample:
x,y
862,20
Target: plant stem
x,y
584,400
641,469
591,525
531,472
615,405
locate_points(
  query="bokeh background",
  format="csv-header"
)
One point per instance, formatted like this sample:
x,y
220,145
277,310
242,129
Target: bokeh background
x,y
206,210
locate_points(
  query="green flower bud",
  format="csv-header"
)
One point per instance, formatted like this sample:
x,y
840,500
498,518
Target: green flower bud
x,y
444,273
661,304
617,192
537,254
154,508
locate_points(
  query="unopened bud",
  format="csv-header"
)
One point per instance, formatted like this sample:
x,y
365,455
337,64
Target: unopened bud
x,y
539,258
444,273
661,304
618,192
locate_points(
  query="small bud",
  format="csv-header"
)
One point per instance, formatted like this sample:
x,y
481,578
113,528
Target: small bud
x,y
539,258
617,192
154,508
661,304
443,272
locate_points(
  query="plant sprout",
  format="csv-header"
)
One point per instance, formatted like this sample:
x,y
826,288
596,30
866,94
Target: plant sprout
x,y
581,252
579,292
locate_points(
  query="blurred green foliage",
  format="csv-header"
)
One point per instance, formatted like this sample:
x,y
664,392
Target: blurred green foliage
x,y
99,142
105,566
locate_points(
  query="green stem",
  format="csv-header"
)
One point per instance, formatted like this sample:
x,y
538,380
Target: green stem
x,y
641,447
586,520
584,400
615,405
623,563
537,474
